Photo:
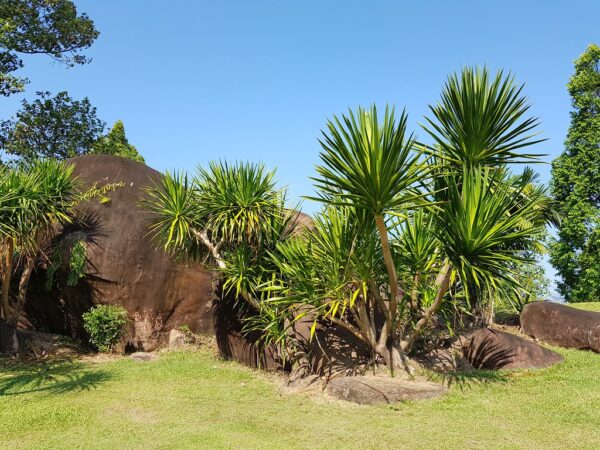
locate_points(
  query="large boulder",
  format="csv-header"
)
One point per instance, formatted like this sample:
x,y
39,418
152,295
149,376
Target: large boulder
x,y
562,325
494,349
124,267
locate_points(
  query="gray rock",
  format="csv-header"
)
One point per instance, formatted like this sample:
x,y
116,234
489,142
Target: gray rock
x,y
143,356
373,390
176,338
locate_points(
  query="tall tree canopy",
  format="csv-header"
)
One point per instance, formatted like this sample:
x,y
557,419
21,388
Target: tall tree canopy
x,y
116,143
576,186
51,127
50,27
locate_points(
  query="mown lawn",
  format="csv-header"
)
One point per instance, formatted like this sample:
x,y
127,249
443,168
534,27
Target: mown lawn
x,y
589,306
193,400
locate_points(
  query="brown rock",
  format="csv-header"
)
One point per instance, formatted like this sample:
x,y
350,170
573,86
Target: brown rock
x,y
373,390
562,325
124,267
493,349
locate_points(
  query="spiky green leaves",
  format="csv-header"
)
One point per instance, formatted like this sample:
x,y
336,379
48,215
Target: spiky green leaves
x,y
482,217
34,198
173,210
482,120
238,201
368,164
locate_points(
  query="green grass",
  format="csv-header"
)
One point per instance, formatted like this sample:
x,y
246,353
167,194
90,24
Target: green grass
x,y
589,306
193,400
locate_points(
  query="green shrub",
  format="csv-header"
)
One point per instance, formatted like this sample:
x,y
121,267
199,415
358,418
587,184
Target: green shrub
x,y
106,325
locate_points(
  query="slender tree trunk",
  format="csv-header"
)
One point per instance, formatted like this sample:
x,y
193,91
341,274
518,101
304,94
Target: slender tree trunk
x,y
393,281
442,283
414,296
23,285
214,250
8,263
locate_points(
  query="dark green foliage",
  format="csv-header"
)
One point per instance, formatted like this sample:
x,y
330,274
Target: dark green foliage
x,y
533,286
576,187
106,325
51,127
116,143
50,27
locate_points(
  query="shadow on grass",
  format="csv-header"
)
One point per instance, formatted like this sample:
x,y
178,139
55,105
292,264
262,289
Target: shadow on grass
x,y
469,379
52,376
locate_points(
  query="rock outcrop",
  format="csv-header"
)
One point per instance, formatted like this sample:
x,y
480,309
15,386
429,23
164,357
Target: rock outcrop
x,y
562,325
492,349
373,390
123,266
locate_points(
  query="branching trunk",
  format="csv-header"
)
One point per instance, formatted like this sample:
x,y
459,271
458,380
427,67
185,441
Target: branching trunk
x,y
442,283
393,282
214,251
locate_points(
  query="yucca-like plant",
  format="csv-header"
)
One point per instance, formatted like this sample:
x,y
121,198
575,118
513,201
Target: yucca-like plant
x,y
403,225
435,223
229,215
481,120
373,167
33,200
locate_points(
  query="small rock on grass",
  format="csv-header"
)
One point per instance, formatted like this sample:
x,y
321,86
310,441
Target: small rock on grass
x,y
373,390
143,356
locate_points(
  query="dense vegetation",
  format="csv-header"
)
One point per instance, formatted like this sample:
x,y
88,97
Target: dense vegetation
x,y
33,201
407,231
49,27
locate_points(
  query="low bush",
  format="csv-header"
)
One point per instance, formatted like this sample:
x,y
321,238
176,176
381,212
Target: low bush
x,y
106,325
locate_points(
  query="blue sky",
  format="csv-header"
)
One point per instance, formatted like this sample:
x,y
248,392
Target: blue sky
x,y
197,80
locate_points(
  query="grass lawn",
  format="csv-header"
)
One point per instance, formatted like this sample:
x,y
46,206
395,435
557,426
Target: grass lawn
x,y
589,306
193,400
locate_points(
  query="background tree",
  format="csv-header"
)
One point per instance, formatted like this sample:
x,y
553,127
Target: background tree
x,y
51,127
116,143
50,27
576,187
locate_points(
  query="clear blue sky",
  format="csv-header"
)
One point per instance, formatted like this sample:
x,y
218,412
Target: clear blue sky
x,y
197,80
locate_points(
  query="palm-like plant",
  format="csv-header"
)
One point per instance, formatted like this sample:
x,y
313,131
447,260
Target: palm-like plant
x,y
373,167
232,214
402,223
465,235
33,200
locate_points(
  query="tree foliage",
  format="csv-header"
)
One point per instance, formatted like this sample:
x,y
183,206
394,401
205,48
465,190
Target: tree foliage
x,y
50,27
576,187
51,127
116,143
